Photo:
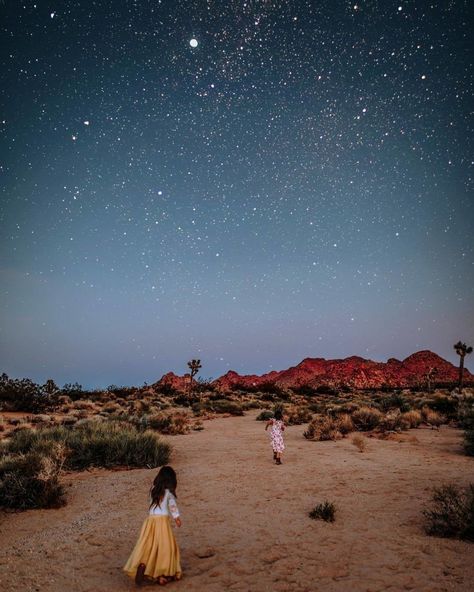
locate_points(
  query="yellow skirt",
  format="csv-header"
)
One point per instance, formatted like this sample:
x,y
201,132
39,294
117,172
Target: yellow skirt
x,y
156,548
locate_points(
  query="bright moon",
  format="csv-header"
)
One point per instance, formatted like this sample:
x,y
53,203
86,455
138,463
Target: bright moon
x,y
193,43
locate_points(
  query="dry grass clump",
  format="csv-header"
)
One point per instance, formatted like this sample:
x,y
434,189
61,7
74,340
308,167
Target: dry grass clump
x,y
325,511
452,512
323,428
86,405
345,424
264,415
41,418
359,442
367,418
432,418
100,444
31,480
2,424
412,419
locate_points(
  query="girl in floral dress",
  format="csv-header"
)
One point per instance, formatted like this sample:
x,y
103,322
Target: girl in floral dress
x,y
277,427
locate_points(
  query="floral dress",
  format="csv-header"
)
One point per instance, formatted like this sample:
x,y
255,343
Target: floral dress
x,y
276,435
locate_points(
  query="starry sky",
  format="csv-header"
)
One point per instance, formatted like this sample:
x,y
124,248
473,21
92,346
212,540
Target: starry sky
x,y
246,182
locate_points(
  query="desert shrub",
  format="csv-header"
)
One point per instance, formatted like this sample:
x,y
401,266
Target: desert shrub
x,y
345,424
359,442
394,401
323,428
173,423
469,442
246,405
183,400
366,418
305,390
2,424
412,418
41,418
466,414
452,512
325,511
86,405
264,415
431,417
26,395
297,415
224,406
100,444
31,480
444,404
325,390
73,391
348,407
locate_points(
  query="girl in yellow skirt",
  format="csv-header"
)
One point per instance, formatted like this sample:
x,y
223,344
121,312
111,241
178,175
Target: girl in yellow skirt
x,y
156,554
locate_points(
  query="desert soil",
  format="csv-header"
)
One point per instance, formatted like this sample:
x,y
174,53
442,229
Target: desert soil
x,y
245,520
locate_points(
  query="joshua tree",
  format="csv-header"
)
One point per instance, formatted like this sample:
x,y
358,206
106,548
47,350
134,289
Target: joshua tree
x,y
194,367
432,371
462,350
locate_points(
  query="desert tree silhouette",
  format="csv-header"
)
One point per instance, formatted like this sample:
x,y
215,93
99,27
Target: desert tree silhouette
x,y
194,367
462,350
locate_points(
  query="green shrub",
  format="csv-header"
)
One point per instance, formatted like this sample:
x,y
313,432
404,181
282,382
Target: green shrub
x,y
444,404
366,418
452,512
100,444
31,480
325,511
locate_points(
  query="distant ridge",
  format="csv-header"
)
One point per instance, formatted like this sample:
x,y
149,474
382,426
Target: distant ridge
x,y
353,372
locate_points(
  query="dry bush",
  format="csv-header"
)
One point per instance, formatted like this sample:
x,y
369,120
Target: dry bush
x,y
297,415
41,418
86,405
432,418
345,424
31,480
325,511
111,407
323,428
452,512
2,424
172,423
359,442
367,418
412,418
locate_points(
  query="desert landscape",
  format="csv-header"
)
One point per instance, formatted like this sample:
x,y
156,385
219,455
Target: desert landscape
x,y
375,456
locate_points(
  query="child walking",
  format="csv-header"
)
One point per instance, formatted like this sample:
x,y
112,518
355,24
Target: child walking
x,y
277,427
156,553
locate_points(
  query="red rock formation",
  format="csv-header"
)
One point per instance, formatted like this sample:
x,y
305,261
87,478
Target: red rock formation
x,y
354,372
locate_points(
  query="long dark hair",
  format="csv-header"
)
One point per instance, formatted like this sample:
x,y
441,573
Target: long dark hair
x,y
166,479
278,413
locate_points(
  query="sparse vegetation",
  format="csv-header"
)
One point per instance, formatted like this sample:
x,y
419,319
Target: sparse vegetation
x,y
359,442
325,511
99,444
451,513
323,428
31,480
367,418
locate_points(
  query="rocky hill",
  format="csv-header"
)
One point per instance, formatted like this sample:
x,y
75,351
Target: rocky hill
x,y
353,372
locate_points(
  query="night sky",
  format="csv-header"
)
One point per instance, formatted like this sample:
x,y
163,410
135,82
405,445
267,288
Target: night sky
x,y
245,182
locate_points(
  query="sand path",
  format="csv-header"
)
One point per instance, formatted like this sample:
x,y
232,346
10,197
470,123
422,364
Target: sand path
x,y
254,515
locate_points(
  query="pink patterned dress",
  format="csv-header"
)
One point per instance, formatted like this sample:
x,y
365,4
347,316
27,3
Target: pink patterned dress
x,y
276,435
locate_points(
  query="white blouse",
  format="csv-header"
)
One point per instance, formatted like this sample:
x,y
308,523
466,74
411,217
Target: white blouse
x,y
168,506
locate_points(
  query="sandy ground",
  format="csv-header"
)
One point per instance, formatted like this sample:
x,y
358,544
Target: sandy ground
x,y
254,516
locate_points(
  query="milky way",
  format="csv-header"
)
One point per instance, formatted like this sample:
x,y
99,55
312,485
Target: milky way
x,y
249,183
